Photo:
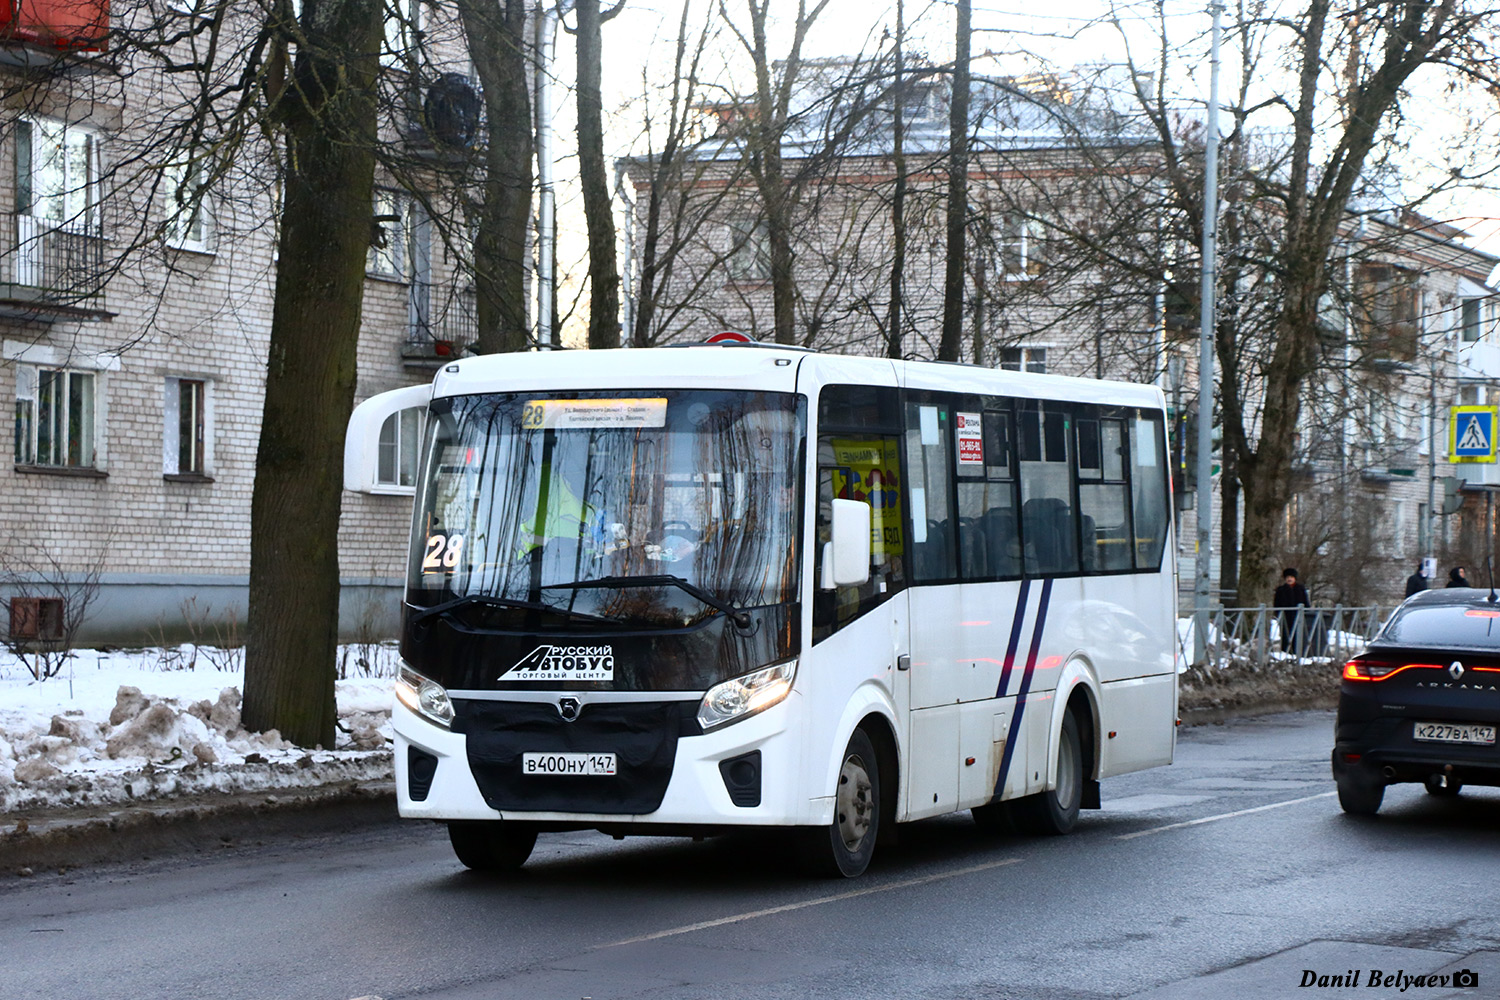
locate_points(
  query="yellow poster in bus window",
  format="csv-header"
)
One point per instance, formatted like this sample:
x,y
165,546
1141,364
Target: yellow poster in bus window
x,y
868,470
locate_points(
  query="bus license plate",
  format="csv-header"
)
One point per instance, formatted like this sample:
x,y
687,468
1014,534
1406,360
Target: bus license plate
x,y
568,764
1443,732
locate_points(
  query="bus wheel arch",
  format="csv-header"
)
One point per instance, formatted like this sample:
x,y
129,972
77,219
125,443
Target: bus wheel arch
x,y
1084,705
878,728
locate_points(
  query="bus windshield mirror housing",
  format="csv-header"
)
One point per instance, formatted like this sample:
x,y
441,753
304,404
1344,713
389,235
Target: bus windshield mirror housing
x,y
846,558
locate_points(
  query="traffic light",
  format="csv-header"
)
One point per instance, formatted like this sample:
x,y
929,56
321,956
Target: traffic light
x,y
1453,498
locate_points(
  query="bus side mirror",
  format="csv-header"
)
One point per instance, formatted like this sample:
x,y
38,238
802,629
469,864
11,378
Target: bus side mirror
x,y
846,559
362,441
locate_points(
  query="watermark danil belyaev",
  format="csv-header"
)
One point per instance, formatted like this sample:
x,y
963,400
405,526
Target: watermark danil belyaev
x,y
1399,980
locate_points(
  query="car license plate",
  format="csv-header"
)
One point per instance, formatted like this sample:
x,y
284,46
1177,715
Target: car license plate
x,y
568,764
1443,732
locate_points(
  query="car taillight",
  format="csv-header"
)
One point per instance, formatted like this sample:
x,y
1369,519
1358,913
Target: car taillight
x,y
1379,670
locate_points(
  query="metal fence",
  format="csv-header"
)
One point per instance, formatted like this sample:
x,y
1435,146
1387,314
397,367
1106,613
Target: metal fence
x,y
1262,636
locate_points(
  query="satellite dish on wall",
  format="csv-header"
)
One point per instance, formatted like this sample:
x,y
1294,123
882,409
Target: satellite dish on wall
x,y
451,112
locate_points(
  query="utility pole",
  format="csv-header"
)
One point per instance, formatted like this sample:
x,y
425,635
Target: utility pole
x,y
1201,564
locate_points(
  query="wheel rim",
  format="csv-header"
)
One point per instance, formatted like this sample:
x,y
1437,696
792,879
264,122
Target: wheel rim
x,y
855,803
1067,774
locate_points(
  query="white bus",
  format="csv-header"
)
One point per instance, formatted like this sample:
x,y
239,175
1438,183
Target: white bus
x,y
682,590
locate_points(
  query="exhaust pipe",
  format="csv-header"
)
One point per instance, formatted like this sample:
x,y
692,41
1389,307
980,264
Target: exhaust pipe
x,y
1389,772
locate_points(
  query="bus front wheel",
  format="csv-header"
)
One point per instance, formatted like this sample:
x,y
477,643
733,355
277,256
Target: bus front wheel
x,y
1055,812
491,845
843,848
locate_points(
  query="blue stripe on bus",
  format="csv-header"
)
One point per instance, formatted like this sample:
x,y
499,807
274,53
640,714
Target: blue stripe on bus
x,y
1015,640
1015,721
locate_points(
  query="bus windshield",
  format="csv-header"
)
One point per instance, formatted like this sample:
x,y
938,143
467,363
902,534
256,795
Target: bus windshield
x,y
528,497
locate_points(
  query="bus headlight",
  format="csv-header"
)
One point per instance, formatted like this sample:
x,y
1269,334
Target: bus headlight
x,y
747,695
427,698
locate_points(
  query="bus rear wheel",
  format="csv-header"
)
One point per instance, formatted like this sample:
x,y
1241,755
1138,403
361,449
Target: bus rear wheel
x,y
491,845
843,848
1055,812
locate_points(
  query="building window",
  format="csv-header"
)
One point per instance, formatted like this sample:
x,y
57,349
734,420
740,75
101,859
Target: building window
x,y
189,209
187,448
55,417
749,250
1469,324
57,174
403,32
1386,310
388,250
1013,256
399,437
1024,359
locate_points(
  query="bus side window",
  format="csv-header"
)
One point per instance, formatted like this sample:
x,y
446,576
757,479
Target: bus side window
x,y
859,458
1148,473
1049,523
1104,495
989,535
929,469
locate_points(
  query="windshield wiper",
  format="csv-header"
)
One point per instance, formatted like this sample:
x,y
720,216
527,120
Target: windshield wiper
x,y
485,600
740,618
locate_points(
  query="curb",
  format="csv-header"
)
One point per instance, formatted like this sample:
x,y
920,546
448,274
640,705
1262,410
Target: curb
x,y
70,839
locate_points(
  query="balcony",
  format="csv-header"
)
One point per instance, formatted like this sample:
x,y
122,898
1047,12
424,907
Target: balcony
x,y
1393,459
53,273
441,324
56,25
1479,360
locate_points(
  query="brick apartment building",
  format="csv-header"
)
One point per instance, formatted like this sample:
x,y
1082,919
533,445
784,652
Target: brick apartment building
x,y
134,328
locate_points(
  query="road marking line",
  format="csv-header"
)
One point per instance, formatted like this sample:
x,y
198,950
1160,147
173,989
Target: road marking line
x,y
788,907
1228,815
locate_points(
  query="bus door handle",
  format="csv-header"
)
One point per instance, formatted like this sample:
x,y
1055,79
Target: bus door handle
x,y
903,662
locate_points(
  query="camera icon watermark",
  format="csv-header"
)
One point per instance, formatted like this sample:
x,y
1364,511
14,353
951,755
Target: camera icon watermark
x,y
1463,979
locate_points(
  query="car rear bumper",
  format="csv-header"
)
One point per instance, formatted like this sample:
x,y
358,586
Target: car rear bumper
x,y
1384,747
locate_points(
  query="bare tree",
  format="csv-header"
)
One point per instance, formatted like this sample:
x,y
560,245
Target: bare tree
x,y
604,271
327,109
495,32
958,188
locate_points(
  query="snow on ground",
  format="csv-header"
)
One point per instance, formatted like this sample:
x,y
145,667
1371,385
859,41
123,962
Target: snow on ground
x,y
135,726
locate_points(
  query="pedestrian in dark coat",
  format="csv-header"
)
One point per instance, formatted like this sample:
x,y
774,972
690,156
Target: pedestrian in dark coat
x,y
1416,583
1290,596
1456,577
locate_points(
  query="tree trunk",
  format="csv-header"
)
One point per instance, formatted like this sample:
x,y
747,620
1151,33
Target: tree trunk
x,y
604,271
496,36
329,115
958,191
893,346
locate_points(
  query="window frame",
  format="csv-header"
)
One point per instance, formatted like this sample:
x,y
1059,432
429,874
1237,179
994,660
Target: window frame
x,y
28,453
85,219
397,420
748,260
203,429
186,209
390,210
1030,358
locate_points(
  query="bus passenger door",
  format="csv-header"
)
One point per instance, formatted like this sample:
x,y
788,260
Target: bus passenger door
x,y
859,633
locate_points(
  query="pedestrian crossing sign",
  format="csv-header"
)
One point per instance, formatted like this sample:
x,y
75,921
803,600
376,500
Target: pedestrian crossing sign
x,y
1471,433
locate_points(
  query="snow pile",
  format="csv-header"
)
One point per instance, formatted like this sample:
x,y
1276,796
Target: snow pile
x,y
115,728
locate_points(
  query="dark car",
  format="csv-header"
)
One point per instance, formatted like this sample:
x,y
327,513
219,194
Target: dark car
x,y
1422,703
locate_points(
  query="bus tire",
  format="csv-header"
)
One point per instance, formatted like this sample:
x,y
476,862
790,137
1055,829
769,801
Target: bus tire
x,y
491,845
843,848
1055,812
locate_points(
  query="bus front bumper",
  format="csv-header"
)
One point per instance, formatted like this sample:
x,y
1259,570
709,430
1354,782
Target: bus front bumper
x,y
434,779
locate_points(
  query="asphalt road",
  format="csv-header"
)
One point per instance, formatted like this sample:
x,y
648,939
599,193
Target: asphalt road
x,y
1229,874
